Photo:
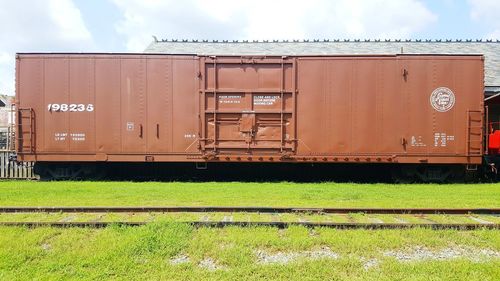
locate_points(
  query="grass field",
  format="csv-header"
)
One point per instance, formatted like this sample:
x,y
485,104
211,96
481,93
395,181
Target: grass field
x,y
29,193
166,250
180,252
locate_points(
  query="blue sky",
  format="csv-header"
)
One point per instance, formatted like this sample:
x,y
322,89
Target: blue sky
x,y
128,25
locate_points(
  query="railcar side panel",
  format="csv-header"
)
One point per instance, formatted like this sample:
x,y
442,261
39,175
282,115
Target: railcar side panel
x,y
105,107
349,106
185,106
81,126
159,105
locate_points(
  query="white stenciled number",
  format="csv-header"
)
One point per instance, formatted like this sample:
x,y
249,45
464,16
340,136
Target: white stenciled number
x,y
55,107
73,107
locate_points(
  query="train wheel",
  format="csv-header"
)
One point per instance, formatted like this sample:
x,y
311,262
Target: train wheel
x,y
65,171
403,174
428,173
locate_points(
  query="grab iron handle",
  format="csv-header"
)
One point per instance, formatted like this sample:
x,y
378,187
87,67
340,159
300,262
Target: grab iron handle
x,y
140,130
157,131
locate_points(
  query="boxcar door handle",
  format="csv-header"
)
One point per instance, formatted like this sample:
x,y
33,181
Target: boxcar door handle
x,y
140,130
405,74
157,131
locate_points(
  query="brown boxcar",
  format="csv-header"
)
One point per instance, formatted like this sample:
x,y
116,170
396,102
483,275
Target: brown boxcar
x,y
178,108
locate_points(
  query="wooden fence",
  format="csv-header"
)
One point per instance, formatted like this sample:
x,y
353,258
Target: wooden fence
x,y
12,169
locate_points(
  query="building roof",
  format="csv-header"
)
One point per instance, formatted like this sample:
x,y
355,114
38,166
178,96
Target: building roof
x,y
489,48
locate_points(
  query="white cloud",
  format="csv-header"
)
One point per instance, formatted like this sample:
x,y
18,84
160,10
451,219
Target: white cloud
x,y
38,26
263,19
486,12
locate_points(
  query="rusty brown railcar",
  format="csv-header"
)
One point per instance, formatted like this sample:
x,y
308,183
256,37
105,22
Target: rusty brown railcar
x,y
420,109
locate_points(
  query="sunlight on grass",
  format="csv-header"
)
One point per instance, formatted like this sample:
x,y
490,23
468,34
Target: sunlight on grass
x,y
29,193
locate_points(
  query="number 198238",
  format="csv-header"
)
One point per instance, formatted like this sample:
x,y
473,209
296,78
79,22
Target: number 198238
x,y
73,107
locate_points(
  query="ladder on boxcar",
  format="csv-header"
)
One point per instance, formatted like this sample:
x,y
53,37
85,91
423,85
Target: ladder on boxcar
x,y
474,133
25,140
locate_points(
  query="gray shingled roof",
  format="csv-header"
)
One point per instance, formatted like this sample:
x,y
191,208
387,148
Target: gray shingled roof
x,y
490,49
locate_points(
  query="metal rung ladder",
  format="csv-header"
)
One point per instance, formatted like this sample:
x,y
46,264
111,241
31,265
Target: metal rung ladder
x,y
25,130
474,133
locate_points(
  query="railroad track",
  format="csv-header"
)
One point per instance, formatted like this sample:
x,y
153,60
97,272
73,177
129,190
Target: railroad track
x,y
463,219
212,209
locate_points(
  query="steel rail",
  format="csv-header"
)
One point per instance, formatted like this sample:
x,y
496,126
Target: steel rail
x,y
229,209
221,224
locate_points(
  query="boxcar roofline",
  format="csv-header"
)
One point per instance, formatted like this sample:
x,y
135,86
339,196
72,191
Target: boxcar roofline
x,y
36,54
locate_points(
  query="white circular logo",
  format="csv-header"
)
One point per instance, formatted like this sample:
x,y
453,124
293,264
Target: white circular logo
x,y
442,99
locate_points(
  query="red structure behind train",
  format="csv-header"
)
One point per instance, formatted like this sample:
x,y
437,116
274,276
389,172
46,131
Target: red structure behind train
x,y
400,109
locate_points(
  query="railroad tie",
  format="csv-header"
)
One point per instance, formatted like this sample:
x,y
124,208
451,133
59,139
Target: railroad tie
x,y
303,220
400,220
426,219
480,220
227,219
68,218
375,220
98,217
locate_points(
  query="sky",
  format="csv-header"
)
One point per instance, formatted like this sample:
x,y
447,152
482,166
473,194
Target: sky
x,y
128,25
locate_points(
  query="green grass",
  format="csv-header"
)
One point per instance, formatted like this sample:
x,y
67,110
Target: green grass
x,y
144,253
29,193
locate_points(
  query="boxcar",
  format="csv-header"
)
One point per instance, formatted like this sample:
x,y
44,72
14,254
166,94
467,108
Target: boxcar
x,y
100,108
